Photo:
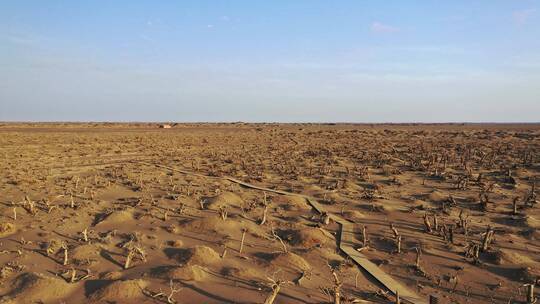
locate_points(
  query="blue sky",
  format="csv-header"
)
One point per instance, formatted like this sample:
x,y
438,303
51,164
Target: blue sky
x,y
354,61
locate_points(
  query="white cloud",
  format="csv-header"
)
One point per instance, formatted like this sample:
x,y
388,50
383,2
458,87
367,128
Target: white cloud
x,y
378,27
520,17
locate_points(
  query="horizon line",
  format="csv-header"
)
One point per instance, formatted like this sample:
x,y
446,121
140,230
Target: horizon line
x,y
267,122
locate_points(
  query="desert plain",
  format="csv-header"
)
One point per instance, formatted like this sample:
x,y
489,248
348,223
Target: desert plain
x,y
135,213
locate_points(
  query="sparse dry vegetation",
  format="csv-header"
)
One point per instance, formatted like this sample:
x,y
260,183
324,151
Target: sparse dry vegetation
x,y
129,213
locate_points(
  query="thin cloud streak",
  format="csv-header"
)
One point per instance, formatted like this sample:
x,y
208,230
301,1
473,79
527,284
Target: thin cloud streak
x,y
378,27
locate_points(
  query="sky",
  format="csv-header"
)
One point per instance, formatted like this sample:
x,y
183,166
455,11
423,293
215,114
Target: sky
x,y
271,61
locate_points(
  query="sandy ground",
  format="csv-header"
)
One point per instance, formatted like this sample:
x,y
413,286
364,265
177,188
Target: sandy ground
x,y
85,216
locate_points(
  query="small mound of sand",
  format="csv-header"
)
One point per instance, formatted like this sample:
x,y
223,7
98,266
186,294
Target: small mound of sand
x,y
306,237
117,217
201,255
324,254
36,287
172,229
508,257
334,197
526,274
120,290
111,275
247,273
293,203
203,224
185,273
52,246
353,215
521,173
175,243
384,207
436,196
352,186
87,251
290,260
228,227
313,237
532,222
6,229
223,200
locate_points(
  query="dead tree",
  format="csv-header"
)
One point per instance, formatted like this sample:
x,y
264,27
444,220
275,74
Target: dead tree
x,y
515,206
242,241
365,239
484,201
427,224
265,211
531,299
487,238
276,287
337,287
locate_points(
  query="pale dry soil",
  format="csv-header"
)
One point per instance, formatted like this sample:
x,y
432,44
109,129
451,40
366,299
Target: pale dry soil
x,y
78,200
